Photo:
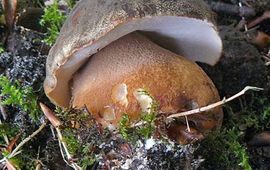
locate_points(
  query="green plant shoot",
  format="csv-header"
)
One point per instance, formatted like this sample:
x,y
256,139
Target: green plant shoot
x,y
53,20
22,97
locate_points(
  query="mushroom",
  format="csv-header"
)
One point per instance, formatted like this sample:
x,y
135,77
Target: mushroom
x,y
109,52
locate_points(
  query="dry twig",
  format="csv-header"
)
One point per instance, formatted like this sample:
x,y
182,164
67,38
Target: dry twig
x,y
16,150
26,140
62,144
258,20
3,110
5,136
4,115
9,165
219,103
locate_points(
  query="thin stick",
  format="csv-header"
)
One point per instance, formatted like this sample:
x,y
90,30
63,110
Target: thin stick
x,y
243,18
211,106
15,151
55,121
26,140
266,57
188,128
3,110
52,130
62,152
69,157
265,15
4,135
4,114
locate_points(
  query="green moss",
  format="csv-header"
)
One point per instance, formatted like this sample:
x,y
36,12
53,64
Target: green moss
x,y
148,119
255,115
124,126
78,148
71,141
24,160
233,137
9,130
1,48
22,97
53,20
224,150
88,159
147,127
227,149
71,3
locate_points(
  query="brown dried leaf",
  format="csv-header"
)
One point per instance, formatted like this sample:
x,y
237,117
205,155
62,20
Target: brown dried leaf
x,y
12,143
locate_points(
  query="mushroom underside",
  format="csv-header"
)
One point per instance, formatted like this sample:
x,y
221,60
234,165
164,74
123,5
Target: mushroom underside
x,y
192,38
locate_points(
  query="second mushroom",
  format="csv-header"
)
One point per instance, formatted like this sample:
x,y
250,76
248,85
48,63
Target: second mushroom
x,y
110,52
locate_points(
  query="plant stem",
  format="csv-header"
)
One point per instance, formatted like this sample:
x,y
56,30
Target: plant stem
x,y
219,103
15,151
26,140
69,157
4,135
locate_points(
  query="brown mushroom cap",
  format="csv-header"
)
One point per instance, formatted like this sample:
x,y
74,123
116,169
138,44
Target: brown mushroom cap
x,y
110,83
182,26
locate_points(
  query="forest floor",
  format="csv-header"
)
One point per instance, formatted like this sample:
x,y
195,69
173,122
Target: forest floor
x,y
243,142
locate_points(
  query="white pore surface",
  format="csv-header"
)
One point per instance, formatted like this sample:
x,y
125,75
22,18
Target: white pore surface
x,y
192,38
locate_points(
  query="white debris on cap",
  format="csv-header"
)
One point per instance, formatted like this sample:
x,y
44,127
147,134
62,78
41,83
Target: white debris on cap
x,y
144,100
119,94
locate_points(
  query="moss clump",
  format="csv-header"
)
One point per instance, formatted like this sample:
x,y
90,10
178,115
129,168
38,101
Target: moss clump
x,y
147,129
80,134
147,121
223,150
71,141
8,130
1,48
88,159
124,126
22,97
53,20
228,147
71,3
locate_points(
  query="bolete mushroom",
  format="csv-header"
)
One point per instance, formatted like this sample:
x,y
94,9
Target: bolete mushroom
x,y
108,52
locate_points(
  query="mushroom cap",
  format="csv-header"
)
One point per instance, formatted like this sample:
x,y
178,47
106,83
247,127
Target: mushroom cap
x,y
182,26
113,81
